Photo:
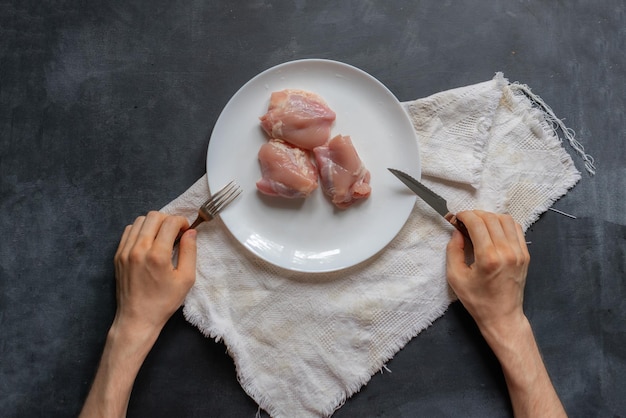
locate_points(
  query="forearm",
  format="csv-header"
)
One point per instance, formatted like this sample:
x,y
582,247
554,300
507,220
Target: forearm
x,y
123,354
531,391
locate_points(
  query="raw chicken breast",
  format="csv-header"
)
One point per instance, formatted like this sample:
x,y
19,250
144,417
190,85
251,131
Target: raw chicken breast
x,y
299,117
343,176
287,170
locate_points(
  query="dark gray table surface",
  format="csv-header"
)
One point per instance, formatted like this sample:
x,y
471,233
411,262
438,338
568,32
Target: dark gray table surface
x,y
106,109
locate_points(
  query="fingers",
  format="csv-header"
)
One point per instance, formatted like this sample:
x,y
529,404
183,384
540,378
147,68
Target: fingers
x,y
495,236
187,254
490,228
478,230
149,229
156,232
123,239
141,235
515,237
495,225
121,246
169,230
522,242
455,258
509,227
129,237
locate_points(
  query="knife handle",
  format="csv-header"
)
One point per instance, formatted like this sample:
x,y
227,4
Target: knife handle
x,y
458,225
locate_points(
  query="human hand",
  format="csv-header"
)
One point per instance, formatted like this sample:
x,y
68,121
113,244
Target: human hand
x,y
492,287
492,290
149,290
149,287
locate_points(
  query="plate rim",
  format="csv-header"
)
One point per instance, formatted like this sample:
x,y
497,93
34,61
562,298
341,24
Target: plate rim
x,y
415,170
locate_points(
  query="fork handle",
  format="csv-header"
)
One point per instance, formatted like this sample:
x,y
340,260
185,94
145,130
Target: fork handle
x,y
195,223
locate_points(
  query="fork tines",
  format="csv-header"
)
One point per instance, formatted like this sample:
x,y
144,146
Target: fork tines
x,y
214,205
222,198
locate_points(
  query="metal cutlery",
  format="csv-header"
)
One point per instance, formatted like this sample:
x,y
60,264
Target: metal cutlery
x,y
215,204
433,199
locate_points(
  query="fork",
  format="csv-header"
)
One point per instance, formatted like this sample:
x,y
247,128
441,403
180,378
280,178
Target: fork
x,y
215,204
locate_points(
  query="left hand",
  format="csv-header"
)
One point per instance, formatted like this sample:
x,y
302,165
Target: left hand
x,y
149,287
149,290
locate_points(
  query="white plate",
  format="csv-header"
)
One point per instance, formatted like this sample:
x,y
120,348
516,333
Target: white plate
x,y
311,235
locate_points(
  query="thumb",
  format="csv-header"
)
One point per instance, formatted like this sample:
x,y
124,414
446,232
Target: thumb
x,y
455,258
187,252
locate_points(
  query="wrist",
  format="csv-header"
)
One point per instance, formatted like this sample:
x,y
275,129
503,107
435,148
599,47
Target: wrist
x,y
505,331
514,345
125,350
530,388
132,339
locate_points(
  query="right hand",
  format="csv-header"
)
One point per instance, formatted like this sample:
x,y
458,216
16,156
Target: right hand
x,y
492,287
492,290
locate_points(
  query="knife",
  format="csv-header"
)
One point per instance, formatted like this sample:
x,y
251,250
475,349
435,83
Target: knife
x,y
433,199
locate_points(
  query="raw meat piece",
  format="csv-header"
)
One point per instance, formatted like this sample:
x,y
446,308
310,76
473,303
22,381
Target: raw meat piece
x,y
287,170
299,117
343,176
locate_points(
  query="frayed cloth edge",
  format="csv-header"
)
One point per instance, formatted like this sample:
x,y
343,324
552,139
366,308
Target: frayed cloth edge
x,y
245,377
556,124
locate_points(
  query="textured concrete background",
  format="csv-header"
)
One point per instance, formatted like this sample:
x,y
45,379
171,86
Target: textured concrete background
x,y
106,109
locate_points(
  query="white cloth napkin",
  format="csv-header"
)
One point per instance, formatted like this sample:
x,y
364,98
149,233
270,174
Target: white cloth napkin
x,y
303,344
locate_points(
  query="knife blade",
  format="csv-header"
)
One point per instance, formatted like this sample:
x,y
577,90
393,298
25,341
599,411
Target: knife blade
x,y
433,199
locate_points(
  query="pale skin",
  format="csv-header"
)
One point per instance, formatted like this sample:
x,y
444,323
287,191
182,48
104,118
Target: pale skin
x,y
150,289
492,291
